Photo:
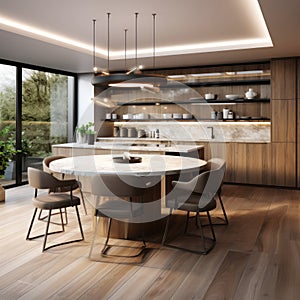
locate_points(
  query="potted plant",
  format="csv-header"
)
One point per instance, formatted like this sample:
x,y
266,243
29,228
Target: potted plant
x,y
7,153
91,136
83,132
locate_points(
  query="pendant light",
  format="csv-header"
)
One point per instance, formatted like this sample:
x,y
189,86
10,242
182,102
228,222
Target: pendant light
x,y
132,78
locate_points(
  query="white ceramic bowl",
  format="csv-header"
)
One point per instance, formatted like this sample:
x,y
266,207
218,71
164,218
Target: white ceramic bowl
x,y
187,116
210,96
177,116
167,116
232,97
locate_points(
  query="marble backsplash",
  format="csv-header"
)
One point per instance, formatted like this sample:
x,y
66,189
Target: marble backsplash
x,y
252,132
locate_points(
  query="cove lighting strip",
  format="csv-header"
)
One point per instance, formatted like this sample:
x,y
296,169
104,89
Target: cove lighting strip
x,y
263,41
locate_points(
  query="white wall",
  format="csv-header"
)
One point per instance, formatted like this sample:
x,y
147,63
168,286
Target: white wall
x,y
85,94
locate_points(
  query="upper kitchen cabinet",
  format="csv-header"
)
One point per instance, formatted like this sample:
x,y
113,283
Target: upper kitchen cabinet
x,y
284,90
283,79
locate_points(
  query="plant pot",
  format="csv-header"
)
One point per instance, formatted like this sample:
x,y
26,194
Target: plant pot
x,y
81,138
2,193
91,139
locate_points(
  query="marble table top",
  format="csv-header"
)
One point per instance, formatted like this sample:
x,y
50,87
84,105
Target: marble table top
x,y
104,164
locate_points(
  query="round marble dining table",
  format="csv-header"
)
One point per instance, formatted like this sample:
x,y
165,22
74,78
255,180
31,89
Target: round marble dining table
x,y
150,164
165,167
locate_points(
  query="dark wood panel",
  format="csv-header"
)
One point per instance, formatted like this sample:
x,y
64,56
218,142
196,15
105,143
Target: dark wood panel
x,y
283,164
283,79
284,114
251,163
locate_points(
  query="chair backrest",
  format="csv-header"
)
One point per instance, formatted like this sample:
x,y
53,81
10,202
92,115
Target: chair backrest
x,y
209,182
114,185
40,180
206,184
216,163
47,160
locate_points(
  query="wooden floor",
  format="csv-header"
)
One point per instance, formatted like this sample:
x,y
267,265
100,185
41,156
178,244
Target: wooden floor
x,y
257,256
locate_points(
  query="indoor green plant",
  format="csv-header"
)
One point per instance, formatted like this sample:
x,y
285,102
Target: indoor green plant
x,y
83,131
7,148
7,153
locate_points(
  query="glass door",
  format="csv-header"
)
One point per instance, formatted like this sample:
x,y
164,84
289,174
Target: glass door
x,y
7,124
46,101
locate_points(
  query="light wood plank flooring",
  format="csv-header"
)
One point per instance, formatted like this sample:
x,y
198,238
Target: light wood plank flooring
x,y
257,256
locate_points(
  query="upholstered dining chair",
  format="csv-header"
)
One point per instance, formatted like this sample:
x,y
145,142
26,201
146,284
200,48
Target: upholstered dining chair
x,y
197,196
216,164
41,180
119,198
46,162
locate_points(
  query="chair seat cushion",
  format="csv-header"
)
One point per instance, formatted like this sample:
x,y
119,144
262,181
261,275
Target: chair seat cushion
x,y
119,209
54,201
192,203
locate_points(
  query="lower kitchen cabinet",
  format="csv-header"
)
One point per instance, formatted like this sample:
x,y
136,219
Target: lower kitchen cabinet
x,y
258,163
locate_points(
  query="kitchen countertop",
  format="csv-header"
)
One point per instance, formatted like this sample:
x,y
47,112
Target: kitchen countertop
x,y
134,146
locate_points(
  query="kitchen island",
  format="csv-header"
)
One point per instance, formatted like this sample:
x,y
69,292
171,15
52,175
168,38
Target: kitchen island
x,y
117,145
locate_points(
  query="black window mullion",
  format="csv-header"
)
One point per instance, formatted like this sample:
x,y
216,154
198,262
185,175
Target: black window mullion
x,y
19,124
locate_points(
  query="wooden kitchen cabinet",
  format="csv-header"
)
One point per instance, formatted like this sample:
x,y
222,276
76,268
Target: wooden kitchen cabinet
x,y
284,115
298,122
283,105
283,79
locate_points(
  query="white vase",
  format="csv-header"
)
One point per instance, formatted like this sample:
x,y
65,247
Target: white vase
x,y
250,94
2,193
80,138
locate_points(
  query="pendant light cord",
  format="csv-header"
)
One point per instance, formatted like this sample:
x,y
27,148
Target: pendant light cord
x,y
94,45
136,44
108,33
125,49
154,37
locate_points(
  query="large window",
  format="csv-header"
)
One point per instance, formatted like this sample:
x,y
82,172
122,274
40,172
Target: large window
x,y
43,116
7,123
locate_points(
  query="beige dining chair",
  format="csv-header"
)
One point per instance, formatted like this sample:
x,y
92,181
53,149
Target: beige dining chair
x,y
118,198
46,163
216,164
41,180
196,196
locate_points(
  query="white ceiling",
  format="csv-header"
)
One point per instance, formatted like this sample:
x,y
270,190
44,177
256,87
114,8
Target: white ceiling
x,y
190,22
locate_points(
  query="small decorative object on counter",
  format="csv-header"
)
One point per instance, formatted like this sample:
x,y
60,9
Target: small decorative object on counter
x,y
123,132
141,133
213,115
230,115
116,131
225,113
250,94
219,115
107,116
132,132
114,116
210,96
157,133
